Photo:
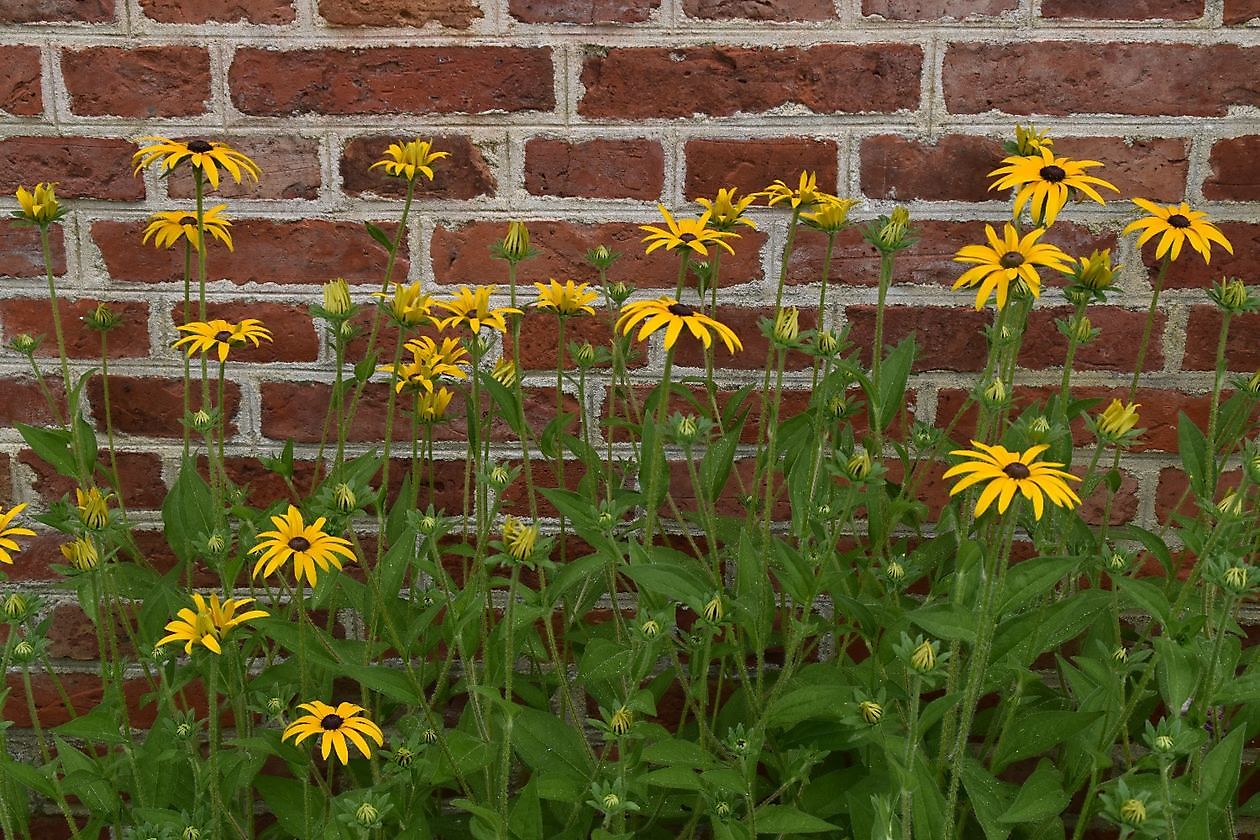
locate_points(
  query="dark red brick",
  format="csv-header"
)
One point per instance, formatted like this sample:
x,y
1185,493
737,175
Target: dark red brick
x,y
1234,173
1116,349
465,174
1242,349
129,340
778,10
290,169
82,167
747,325
292,330
219,11
582,11
947,338
456,14
721,81
72,635
154,406
1123,9
167,81
57,11
936,9
752,165
1174,496
140,474
20,92
20,253
595,168
25,403
1241,11
540,335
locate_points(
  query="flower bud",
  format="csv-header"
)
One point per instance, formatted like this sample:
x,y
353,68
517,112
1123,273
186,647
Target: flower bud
x,y
505,373
1120,654
923,659
515,245
650,628
1040,426
892,234
216,543
39,207
1029,141
93,511
621,720
1231,295
787,325
366,814
430,736
839,407
1236,577
995,391
1117,561
25,344
685,429
896,572
202,421
184,729
404,756
15,608
713,611
1164,743
871,711
722,810
191,833
1253,384
585,355
82,554
1231,504
24,651
337,298
601,257
1080,329
346,331
344,498
1133,811
275,706
828,342
500,476
1096,272
102,319
428,524
1117,420
619,292
611,801
859,465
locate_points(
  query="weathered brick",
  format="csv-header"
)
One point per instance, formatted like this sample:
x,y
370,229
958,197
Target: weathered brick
x,y
20,92
1234,173
752,165
1123,9
779,10
1241,11
722,80
746,323
292,330
289,163
57,11
25,403
461,254
947,338
1191,272
1072,77
72,635
595,168
1173,494
465,174
168,81
140,474
392,80
154,406
540,335
936,9
129,340
582,11
20,253
82,167
267,251
219,11
456,14
1116,349
1242,350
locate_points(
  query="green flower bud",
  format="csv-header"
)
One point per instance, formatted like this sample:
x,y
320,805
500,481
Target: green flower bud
x,y
15,608
787,325
366,814
871,711
923,659
896,572
1133,811
713,611
337,298
102,319
621,721
344,498
25,344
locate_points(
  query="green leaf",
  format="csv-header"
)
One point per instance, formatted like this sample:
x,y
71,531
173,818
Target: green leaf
x,y
675,777
677,751
1145,595
946,621
1177,671
51,445
99,725
1221,767
1244,689
754,602
784,819
988,798
1036,732
25,774
525,819
1149,540
364,369
1038,798
1029,580
284,799
380,236
893,374
667,573
546,743
1192,445
188,512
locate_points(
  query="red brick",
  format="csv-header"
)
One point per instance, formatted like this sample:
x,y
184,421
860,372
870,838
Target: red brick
x,y
752,165
747,325
139,472
219,11
82,167
1234,176
947,339
1123,9
936,9
540,336
582,11
457,14
1116,349
20,92
307,251
724,80
1242,350
1173,485
1069,77
72,635
392,80
6,481
290,169
462,255
85,692
595,168
57,11
465,174
169,81
792,403
292,330
781,10
1124,502
1191,272
20,253
129,340
1241,11
24,403
154,406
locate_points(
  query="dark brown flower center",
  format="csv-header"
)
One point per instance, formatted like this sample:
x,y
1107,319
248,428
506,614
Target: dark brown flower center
x,y
199,146
299,543
682,310
1178,221
687,237
331,722
1053,174
1011,259
1016,470
222,336
189,220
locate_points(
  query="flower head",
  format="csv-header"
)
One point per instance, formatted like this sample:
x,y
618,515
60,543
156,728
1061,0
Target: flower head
x,y
336,294
408,160
471,308
923,658
81,554
870,711
830,216
408,305
805,196
1176,225
306,545
566,299
8,545
335,726
168,227
1117,420
1044,183
429,362
505,372
431,405
714,610
209,622
199,154
514,246
1232,295
1005,261
39,207
673,316
726,212
93,511
1010,472
519,539
102,319
621,720
692,235
1029,140
220,335
1095,272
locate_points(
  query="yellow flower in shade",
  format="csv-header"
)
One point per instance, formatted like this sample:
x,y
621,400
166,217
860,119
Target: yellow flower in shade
x,y
805,195
924,656
408,160
519,539
714,610
306,545
1096,271
621,720
471,308
81,554
429,362
1044,183
407,305
221,336
335,726
726,212
8,545
167,228
692,235
673,316
93,512
1005,261
1133,811
39,207
831,216
431,405
1118,419
1010,472
199,154
505,372
209,622
566,298
1176,225
1029,140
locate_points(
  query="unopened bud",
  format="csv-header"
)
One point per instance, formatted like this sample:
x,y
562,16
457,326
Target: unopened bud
x,y
216,543
1080,329
871,711
896,572
344,498
102,319
275,706
515,244
611,801
650,628
24,651
585,355
713,611
25,344
1164,743
403,757
505,373
1253,384
337,298
924,657
859,465
15,607
995,391
1236,577
1231,294
430,736
601,257
619,292
828,342
184,729
366,814
722,810
1133,811
1120,654
787,325
621,720
202,421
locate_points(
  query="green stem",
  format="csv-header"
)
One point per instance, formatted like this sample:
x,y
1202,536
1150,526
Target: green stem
x,y
662,397
1213,418
1150,325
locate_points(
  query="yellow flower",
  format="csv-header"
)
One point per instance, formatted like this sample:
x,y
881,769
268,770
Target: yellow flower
x,y
505,372
337,297
408,305
8,545
39,207
168,227
1005,261
335,726
1095,272
431,405
81,554
725,212
410,159
515,245
692,235
621,720
1010,472
200,154
209,623
805,195
924,656
220,335
306,545
1118,419
519,538
93,511
669,313
787,324
429,361
1176,225
471,308
831,216
1045,182
565,299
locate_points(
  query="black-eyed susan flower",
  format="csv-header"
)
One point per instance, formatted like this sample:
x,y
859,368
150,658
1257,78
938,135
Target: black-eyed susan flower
x,y
429,362
168,227
1008,473
519,539
8,531
1045,182
431,405
220,336
923,658
692,235
726,212
471,308
199,154
1175,225
335,726
93,510
668,313
38,207
81,554
831,216
1005,261
407,305
407,160
806,194
209,622
1092,276
566,298
307,546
